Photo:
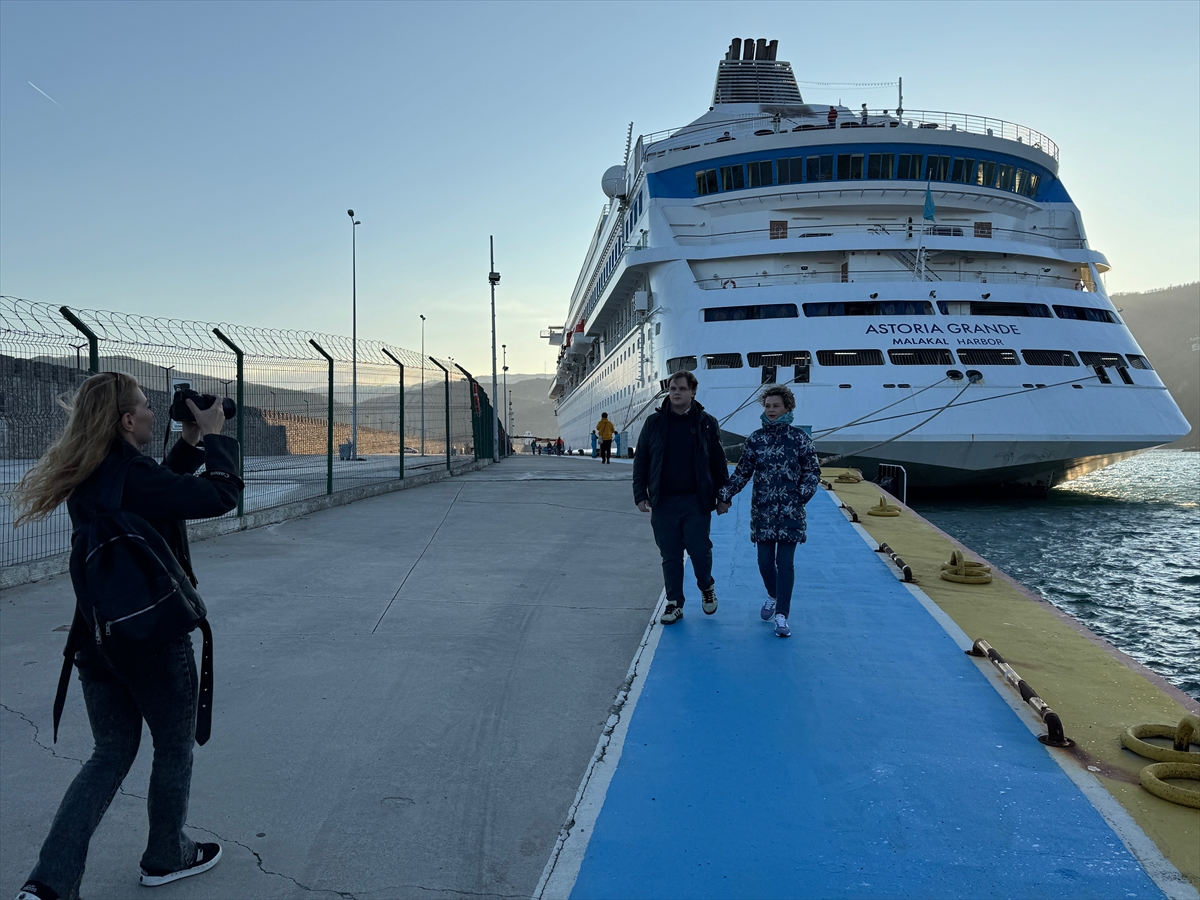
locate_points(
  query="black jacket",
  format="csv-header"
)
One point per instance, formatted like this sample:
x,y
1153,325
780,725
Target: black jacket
x,y
167,495
712,470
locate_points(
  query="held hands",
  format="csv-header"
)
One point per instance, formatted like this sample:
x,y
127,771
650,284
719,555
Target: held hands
x,y
722,507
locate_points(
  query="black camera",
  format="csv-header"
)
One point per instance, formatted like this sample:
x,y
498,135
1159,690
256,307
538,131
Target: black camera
x,y
180,411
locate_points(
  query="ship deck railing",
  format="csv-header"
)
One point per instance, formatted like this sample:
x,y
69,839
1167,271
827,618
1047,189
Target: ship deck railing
x,y
689,136
890,230
899,272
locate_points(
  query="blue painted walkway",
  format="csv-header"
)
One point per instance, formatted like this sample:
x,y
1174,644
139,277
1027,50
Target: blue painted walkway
x,y
864,756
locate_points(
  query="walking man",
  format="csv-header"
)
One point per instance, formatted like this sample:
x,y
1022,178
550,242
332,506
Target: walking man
x,y
677,470
604,431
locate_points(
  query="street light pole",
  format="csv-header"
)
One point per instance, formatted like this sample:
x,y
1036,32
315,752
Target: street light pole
x,y
493,280
507,424
353,334
422,385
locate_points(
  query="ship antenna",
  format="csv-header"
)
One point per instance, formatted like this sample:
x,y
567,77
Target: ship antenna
x,y
628,143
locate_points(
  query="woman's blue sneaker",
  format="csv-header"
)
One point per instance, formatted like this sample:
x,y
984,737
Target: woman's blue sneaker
x,y
768,610
781,627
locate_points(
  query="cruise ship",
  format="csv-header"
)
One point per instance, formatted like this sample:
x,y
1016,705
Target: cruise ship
x,y
922,280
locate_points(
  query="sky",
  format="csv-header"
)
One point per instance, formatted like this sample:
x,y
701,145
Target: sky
x,y
196,160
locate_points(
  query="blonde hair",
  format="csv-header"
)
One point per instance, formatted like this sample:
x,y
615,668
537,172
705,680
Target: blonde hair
x,y
93,417
783,392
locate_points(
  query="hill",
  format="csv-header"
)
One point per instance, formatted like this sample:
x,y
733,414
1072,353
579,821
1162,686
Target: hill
x,y
1166,323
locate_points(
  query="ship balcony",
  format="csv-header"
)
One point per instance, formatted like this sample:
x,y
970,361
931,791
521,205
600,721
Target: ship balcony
x,y
688,137
884,269
875,235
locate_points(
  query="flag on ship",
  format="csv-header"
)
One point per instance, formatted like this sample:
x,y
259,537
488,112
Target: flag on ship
x,y
930,209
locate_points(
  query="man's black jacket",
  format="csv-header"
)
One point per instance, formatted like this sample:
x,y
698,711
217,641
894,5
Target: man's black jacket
x,y
712,470
167,495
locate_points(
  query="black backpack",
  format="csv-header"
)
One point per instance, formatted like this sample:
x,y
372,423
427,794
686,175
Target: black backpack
x,y
130,589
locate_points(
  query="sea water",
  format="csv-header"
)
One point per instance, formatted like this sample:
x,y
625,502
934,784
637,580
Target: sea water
x,y
1118,549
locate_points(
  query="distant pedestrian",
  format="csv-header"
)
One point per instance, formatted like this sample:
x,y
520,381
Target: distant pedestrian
x,y
559,445
605,431
677,470
780,458
832,117
96,467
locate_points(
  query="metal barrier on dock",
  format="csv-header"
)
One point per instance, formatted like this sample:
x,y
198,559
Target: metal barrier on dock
x,y
1054,736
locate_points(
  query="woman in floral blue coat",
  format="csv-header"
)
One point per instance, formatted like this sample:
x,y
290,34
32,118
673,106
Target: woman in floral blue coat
x,y
780,458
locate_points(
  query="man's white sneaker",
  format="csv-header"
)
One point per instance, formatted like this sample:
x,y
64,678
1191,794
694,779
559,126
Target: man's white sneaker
x,y
781,627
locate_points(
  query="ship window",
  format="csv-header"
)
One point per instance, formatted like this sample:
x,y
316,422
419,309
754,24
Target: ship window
x,y
988,358
985,174
908,166
742,313
1101,359
706,182
963,171
879,165
733,178
791,171
937,168
722,360
920,357
1031,185
760,173
1139,362
1049,358
985,308
1004,177
870,308
870,357
1084,313
681,364
849,166
779,358
820,168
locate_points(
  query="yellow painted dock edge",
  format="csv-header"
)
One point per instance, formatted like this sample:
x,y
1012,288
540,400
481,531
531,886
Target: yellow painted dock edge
x,y
1096,689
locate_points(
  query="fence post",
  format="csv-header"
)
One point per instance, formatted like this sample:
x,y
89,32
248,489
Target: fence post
x,y
241,434
447,371
471,389
401,365
93,347
329,450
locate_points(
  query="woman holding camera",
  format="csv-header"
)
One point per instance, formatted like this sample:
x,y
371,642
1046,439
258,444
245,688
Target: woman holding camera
x,y
109,419
780,458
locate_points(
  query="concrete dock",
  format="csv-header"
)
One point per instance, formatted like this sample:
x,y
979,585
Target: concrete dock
x,y
460,690
408,691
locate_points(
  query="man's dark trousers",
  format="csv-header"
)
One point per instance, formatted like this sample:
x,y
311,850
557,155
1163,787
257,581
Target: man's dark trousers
x,y
605,451
681,523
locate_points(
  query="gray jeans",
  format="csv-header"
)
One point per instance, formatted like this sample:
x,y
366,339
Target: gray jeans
x,y
157,683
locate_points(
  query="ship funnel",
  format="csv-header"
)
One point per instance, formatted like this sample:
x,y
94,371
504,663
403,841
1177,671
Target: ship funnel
x,y
757,77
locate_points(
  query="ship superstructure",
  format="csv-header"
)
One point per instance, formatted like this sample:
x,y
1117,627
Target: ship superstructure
x,y
921,279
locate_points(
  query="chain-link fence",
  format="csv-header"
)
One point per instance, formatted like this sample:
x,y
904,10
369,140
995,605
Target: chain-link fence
x,y
302,429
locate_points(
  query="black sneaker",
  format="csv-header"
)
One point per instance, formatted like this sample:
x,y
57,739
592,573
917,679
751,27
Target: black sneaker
x,y
207,856
671,614
35,890
708,600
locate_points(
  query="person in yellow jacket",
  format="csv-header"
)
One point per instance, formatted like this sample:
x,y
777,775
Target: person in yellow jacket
x,y
605,431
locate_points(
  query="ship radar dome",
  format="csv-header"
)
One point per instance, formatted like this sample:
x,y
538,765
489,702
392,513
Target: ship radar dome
x,y
613,182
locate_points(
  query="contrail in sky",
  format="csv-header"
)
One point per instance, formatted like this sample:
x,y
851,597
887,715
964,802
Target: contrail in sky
x,y
44,94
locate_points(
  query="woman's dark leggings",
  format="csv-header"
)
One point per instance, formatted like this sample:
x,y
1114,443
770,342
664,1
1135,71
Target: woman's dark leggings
x,y
776,564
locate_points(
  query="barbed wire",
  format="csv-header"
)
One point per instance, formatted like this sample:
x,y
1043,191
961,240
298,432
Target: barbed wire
x,y
33,319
